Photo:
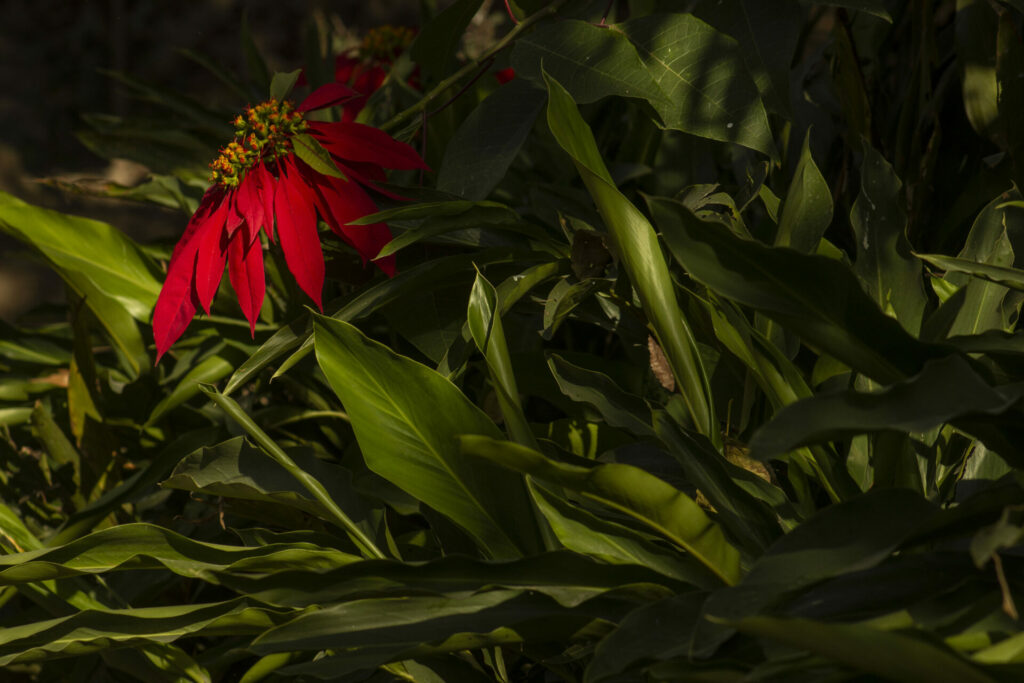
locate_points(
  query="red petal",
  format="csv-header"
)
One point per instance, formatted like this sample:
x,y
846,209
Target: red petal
x,y
245,270
268,189
359,142
211,255
177,302
341,202
355,172
327,96
248,202
296,229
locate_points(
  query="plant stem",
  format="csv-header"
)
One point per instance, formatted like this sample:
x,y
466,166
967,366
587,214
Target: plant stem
x,y
470,67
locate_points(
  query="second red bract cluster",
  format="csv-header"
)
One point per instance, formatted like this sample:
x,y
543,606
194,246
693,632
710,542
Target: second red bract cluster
x,y
261,182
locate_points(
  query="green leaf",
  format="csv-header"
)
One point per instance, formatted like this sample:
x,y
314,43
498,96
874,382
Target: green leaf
x,y
315,487
884,263
568,578
637,245
316,157
947,388
405,417
282,83
485,145
1002,275
629,490
815,296
407,622
209,370
807,210
594,61
893,656
658,631
295,337
701,71
985,304
484,320
427,210
618,407
145,546
235,469
437,42
767,32
115,265
733,491
585,533
97,630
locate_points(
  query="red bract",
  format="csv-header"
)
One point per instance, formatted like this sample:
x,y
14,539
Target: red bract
x,y
260,181
366,68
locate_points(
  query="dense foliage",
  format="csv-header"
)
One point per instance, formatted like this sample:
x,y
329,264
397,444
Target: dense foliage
x,y
700,363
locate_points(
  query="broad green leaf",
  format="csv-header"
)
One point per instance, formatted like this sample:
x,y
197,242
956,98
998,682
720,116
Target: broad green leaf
x,y
97,630
313,485
234,469
408,622
488,224
585,533
658,631
807,210
637,245
893,656
145,546
425,210
701,71
628,490
989,242
485,145
815,296
738,496
618,407
884,263
568,578
594,61
406,417
316,157
1002,275
282,83
841,539
947,388
295,337
767,32
437,42
484,320
114,264
211,369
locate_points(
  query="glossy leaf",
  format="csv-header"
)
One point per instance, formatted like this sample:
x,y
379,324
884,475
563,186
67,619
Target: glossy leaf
x,y
406,418
629,490
595,62
701,71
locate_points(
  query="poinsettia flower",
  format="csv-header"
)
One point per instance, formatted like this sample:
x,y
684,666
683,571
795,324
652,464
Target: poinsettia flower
x,y
281,170
366,68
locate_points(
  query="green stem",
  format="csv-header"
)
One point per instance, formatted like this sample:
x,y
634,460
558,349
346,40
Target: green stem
x,y
311,483
472,66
